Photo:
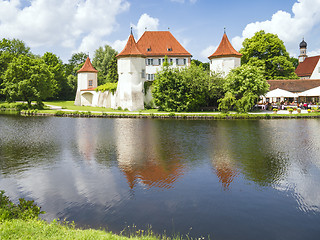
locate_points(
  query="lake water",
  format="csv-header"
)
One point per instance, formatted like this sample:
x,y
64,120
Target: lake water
x,y
256,179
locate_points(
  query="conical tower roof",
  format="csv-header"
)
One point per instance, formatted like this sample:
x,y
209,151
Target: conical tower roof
x,y
130,49
87,67
225,49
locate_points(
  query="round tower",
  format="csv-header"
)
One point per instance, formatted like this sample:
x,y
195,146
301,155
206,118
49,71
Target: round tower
x,y
303,51
225,57
87,80
131,71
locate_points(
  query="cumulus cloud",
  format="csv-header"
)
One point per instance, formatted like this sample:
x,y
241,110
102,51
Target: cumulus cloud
x,y
205,53
146,22
289,28
71,24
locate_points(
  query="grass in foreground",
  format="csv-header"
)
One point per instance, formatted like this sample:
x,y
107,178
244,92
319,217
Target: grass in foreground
x,y
39,229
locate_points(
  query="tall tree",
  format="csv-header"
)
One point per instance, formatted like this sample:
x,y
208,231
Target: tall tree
x,y
9,49
28,79
243,86
56,67
112,75
101,59
268,51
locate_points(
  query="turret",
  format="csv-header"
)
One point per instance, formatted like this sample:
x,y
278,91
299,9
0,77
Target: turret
x,y
303,51
87,80
225,57
131,70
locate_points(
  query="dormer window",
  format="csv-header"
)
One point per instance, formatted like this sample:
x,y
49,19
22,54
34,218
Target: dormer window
x,y
169,49
149,49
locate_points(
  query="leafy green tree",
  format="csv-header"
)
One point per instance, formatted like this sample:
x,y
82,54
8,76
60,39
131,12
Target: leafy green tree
x,y
243,86
268,51
101,59
294,61
74,64
112,75
56,67
28,79
206,66
9,49
186,89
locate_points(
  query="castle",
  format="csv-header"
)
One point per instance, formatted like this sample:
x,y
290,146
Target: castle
x,y
138,62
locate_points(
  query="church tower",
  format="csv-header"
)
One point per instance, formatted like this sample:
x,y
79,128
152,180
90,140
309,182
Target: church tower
x,y
303,51
87,80
131,71
225,57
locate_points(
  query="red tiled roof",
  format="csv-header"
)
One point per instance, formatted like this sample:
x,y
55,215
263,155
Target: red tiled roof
x,y
294,85
87,67
130,49
88,89
161,43
306,67
225,49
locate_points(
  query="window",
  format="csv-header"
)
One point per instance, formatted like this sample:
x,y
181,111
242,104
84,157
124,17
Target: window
x,y
143,73
149,61
171,60
149,49
159,61
177,61
169,49
319,69
90,84
150,76
184,61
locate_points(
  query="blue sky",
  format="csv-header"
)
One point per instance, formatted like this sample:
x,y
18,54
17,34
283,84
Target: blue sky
x,y
67,26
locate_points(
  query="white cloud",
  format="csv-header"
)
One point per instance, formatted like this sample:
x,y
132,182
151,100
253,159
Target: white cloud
x,y
146,22
70,24
119,45
205,53
289,28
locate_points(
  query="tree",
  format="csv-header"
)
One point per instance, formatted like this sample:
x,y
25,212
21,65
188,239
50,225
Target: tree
x,y
28,79
268,51
112,75
186,89
56,67
206,66
9,49
243,86
74,64
101,59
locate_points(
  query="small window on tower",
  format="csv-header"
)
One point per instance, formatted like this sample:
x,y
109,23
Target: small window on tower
x,y
319,69
90,84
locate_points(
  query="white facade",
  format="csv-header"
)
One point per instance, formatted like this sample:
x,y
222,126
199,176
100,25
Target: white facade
x,y
131,71
316,71
86,80
224,64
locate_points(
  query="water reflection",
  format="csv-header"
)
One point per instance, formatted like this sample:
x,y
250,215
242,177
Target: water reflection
x,y
260,178
142,158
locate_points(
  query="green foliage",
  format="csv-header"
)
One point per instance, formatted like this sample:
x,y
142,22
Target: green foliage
x,y
10,49
186,89
268,51
112,75
28,79
102,57
24,210
147,85
107,87
206,66
243,86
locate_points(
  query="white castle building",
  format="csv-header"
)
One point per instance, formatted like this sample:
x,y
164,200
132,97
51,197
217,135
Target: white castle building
x,y
138,62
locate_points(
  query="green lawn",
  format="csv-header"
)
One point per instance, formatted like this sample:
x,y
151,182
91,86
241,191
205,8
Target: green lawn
x,y
39,230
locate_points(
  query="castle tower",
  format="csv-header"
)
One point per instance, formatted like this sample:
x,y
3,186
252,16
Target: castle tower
x,y
303,51
131,71
225,57
87,80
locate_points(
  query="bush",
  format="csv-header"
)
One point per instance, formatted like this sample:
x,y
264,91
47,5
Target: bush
x,y
24,210
112,87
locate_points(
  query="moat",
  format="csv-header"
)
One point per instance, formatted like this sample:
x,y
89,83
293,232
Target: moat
x,y
235,179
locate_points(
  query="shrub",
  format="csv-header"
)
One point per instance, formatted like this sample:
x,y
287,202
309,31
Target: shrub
x,y
112,87
24,210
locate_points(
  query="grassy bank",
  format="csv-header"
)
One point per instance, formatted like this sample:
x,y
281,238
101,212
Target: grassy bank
x,y
39,230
